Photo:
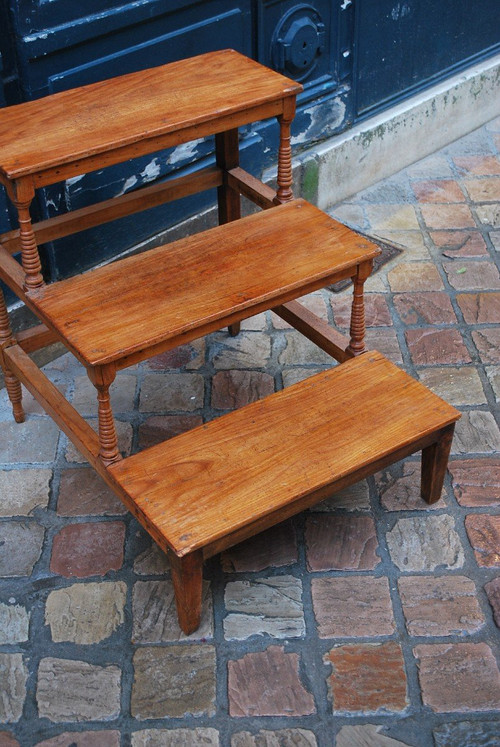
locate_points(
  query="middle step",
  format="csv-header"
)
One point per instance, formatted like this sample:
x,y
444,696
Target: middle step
x,y
196,285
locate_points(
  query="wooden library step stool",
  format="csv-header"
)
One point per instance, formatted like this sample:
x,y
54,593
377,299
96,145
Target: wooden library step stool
x,y
265,462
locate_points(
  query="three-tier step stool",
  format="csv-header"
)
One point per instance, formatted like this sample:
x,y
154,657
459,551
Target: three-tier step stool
x,y
224,481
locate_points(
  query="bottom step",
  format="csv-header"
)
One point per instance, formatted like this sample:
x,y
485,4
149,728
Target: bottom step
x,y
235,476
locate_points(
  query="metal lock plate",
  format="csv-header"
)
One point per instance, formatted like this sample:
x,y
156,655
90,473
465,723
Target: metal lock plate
x,y
298,41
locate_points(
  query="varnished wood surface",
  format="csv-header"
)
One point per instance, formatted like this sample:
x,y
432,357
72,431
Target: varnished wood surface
x,y
200,283
82,122
233,471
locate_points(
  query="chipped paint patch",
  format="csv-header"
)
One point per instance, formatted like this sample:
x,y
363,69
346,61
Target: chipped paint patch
x,y
325,118
151,171
182,152
131,182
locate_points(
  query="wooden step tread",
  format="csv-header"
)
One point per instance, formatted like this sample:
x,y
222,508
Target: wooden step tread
x,y
204,486
203,282
111,114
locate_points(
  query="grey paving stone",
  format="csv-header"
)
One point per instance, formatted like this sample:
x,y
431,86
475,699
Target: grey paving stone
x,y
23,490
151,562
299,351
86,613
493,373
424,543
155,614
21,543
458,386
13,678
94,738
69,690
14,623
399,488
366,735
247,350
467,733
32,441
172,391
176,738
281,738
123,432
122,392
266,605
173,682
476,432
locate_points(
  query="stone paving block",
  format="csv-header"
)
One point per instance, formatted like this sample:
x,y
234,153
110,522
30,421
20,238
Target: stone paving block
x,y
7,740
429,346
257,323
476,432
430,307
344,543
23,491
173,682
234,389
366,735
33,441
176,738
124,435
86,613
487,341
273,548
438,190
464,275
314,302
122,392
354,498
447,216
479,165
483,190
435,166
21,543
460,243
88,549
412,243
69,690
492,589
83,739
155,614
458,677
367,677
14,623
391,217
247,350
13,678
447,605
476,482
377,312
408,277
299,350
158,428
271,606
467,733
190,356
83,492
480,308
457,385
484,535
349,214
493,374
292,376
489,215
152,561
352,607
172,391
495,239
384,339
267,683
399,488
281,738
424,543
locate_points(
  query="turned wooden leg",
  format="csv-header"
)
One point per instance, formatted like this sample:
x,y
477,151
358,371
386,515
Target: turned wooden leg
x,y
22,194
434,464
357,331
12,383
102,377
187,577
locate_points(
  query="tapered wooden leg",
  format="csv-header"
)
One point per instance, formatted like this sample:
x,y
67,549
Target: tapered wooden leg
x,y
434,464
102,377
12,384
234,329
187,577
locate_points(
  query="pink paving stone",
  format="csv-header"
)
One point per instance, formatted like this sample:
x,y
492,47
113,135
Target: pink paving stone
x,y
184,355
83,739
460,243
433,307
273,548
429,346
480,308
479,165
493,591
377,312
344,543
267,683
483,190
458,677
8,740
367,677
159,428
83,493
484,535
448,216
469,275
487,341
88,549
438,190
237,388
476,482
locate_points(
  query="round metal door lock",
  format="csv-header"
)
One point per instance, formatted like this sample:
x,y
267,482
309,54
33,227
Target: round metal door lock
x,y
298,41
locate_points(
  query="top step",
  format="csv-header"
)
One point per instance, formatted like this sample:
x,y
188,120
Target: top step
x,y
185,100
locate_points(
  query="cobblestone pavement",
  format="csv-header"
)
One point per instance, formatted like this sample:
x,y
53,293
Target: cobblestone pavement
x,y
370,620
